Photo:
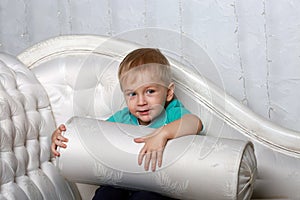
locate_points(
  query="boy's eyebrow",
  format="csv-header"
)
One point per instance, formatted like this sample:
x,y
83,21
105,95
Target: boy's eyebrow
x,y
146,85
128,90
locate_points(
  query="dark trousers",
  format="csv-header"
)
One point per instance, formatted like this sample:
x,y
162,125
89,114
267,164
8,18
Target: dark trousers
x,y
113,193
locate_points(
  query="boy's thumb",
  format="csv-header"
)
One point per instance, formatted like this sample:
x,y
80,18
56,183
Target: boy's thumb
x,y
139,140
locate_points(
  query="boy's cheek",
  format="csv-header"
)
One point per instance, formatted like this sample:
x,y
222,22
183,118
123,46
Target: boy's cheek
x,y
159,108
131,110
128,102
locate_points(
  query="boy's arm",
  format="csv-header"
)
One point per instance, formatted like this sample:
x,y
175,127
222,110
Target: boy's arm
x,y
155,143
188,124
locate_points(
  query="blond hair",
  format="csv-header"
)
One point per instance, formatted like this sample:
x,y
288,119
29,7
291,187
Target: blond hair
x,y
146,57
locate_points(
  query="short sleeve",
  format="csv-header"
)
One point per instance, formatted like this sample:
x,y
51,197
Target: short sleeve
x,y
176,110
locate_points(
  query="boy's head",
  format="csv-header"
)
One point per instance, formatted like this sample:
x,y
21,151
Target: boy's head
x,y
146,81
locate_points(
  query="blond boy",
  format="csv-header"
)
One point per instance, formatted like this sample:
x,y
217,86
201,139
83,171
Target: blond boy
x,y
146,82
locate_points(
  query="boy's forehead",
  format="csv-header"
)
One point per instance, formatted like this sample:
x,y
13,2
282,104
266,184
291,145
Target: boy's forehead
x,y
135,78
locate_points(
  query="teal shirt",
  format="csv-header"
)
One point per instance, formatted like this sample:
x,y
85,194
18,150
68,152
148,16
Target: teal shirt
x,y
175,110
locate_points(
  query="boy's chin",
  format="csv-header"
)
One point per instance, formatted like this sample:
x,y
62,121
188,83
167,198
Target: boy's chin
x,y
144,120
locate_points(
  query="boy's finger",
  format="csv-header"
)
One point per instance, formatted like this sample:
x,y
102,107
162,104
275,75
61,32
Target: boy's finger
x,y
159,157
60,144
139,140
53,149
62,127
153,160
141,156
62,138
147,161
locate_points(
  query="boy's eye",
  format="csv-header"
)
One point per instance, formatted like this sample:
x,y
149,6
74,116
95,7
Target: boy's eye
x,y
131,94
150,91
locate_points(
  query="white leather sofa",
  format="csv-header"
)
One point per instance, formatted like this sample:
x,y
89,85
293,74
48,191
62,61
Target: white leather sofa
x,y
76,76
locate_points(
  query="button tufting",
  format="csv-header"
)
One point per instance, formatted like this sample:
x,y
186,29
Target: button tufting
x,y
25,118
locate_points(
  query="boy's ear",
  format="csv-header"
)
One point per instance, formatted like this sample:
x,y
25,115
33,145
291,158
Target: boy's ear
x,y
170,93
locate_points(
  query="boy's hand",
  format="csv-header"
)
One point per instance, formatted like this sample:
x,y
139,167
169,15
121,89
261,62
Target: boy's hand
x,y
152,150
58,140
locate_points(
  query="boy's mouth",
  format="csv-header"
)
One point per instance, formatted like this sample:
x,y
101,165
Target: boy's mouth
x,y
143,112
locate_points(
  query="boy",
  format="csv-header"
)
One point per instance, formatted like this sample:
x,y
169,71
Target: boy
x,y
145,79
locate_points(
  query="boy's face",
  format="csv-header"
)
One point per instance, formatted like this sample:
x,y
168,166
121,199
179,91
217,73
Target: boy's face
x,y
145,95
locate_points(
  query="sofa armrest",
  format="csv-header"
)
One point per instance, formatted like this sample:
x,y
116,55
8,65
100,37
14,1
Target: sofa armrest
x,y
26,125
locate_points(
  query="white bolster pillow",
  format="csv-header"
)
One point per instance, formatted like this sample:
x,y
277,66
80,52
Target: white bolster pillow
x,y
194,167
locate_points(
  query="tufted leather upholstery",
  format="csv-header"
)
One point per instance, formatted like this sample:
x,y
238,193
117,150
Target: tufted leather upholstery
x,y
26,122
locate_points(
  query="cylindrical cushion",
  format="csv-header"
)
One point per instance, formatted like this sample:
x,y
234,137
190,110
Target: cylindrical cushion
x,y
194,167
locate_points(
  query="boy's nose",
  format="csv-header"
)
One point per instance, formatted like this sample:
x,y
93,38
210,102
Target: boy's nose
x,y
141,100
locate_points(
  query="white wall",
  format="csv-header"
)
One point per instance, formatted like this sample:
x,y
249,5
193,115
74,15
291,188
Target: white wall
x,y
254,44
